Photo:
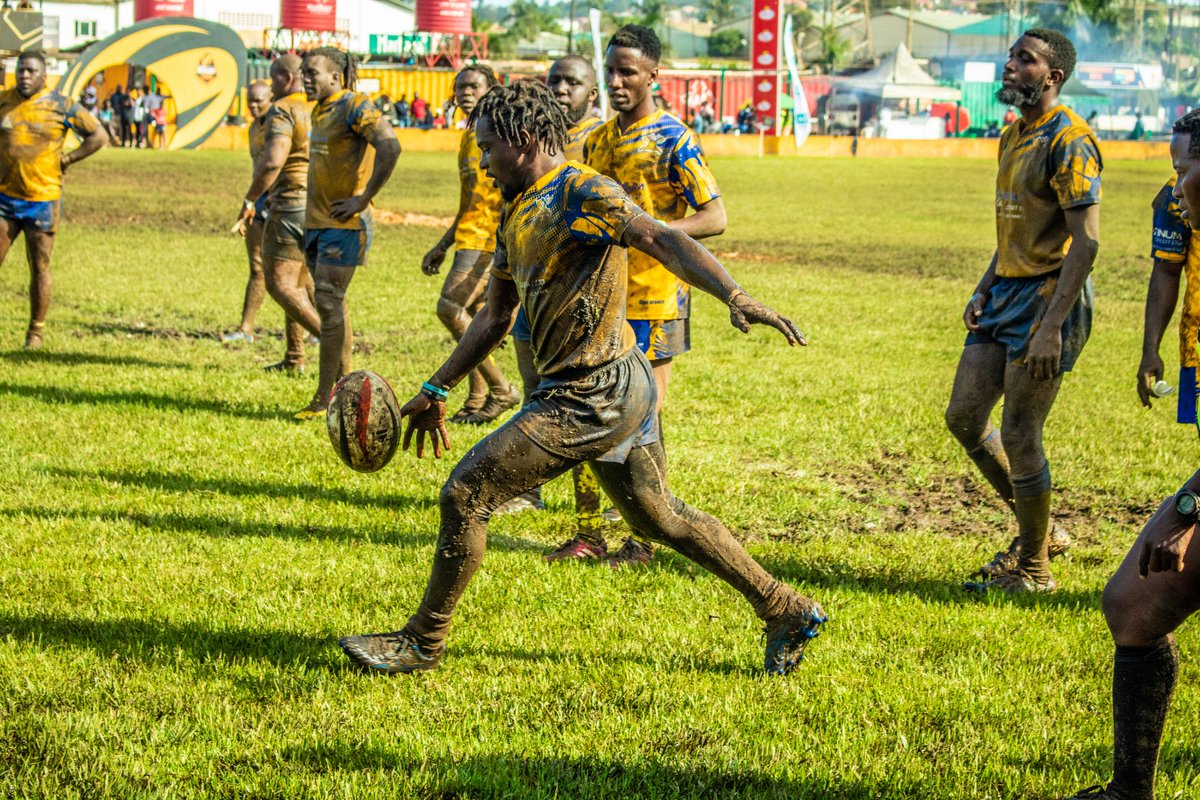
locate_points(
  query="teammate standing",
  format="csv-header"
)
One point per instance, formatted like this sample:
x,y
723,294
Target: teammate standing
x,y
657,159
281,172
352,153
561,257
1173,252
473,235
1031,312
253,216
1157,586
33,122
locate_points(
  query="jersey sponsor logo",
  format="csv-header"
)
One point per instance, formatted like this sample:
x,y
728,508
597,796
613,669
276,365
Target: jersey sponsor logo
x,y
1167,236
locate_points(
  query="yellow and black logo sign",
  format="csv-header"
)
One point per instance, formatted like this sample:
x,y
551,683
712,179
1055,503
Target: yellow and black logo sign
x,y
201,64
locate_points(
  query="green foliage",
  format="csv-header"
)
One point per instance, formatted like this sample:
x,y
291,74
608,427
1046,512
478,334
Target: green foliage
x,y
728,43
178,558
834,48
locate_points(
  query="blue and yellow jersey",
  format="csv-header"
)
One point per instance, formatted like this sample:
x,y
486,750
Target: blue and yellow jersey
x,y
1045,168
31,142
291,118
659,164
578,135
478,200
560,241
1172,242
340,157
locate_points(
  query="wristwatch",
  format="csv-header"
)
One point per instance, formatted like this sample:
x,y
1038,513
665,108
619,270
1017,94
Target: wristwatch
x,y
1187,503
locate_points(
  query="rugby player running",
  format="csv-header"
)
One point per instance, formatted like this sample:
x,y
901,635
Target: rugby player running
x,y
561,257
281,174
1031,312
657,159
473,235
34,121
352,153
1157,586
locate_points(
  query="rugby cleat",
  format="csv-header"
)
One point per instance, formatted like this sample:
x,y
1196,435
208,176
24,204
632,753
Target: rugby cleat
x,y
578,548
33,337
236,337
790,634
390,653
632,554
312,411
1011,583
612,515
493,407
1006,560
285,368
530,501
472,405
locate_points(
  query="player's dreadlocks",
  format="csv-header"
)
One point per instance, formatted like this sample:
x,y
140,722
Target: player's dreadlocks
x,y
1189,125
1062,51
347,62
638,37
524,105
489,74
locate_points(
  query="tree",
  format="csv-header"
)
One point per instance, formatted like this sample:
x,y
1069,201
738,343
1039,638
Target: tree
x,y
834,48
526,19
719,11
728,43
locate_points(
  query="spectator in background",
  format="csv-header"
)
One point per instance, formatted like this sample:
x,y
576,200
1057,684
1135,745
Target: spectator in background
x,y
386,108
992,131
402,111
108,120
1010,116
745,119
420,111
159,116
89,101
1139,128
123,114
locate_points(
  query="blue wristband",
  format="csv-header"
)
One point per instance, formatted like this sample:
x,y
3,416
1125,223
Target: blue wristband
x,y
438,391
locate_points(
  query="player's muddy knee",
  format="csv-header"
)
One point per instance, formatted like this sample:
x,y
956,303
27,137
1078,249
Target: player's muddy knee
x,y
964,424
452,315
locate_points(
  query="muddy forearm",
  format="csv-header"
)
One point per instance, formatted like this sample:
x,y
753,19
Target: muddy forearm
x,y
683,256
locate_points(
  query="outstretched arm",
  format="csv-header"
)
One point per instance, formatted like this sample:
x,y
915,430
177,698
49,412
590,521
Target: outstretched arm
x,y
387,150
427,411
693,264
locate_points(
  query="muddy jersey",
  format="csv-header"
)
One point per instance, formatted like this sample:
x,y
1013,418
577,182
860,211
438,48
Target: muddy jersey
x,y
340,157
560,242
577,137
1045,168
659,164
289,118
479,199
1172,242
258,136
31,142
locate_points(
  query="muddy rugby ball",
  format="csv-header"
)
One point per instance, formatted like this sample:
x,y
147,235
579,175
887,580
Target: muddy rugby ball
x,y
364,421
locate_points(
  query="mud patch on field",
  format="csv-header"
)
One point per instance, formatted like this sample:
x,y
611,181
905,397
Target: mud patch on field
x,y
142,329
383,216
894,500
746,255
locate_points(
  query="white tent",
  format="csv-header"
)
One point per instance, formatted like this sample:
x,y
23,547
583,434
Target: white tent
x,y
900,77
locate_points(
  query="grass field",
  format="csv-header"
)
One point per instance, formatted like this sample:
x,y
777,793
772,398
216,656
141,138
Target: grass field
x,y
178,558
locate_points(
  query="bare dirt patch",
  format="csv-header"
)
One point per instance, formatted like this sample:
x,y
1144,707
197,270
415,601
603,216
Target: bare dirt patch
x,y
383,216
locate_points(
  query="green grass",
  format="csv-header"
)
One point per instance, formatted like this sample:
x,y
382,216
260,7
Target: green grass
x,y
177,558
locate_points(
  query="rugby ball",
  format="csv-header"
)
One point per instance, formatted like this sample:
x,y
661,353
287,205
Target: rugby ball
x,y
364,421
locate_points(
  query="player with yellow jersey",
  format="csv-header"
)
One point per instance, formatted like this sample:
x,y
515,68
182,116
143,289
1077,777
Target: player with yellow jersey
x,y
1173,253
281,172
658,161
352,152
1031,312
253,217
561,257
473,235
33,125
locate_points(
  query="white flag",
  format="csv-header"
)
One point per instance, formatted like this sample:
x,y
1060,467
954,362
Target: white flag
x,y
598,62
801,121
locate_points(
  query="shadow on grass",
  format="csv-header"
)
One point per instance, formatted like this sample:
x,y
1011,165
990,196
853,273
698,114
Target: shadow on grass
x,y
810,577
72,359
59,396
510,776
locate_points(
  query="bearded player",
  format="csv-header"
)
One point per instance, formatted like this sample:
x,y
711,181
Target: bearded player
x,y
253,216
281,171
473,235
561,257
1157,586
34,121
1031,312
352,152
658,160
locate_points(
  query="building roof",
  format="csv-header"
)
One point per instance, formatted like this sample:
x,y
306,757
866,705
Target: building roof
x,y
999,25
948,21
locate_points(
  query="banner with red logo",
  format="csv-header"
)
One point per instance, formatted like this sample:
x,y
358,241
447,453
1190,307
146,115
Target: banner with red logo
x,y
444,16
764,57
308,15
152,9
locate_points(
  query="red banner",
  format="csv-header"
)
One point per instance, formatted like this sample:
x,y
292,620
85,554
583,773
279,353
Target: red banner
x,y
149,9
444,16
308,15
764,56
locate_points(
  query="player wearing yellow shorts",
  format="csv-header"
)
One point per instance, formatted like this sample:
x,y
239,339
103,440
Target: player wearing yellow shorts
x,y
473,235
658,161
1031,312
253,216
352,152
281,170
33,124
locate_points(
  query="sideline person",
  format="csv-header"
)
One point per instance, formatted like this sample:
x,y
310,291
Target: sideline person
x,y
561,257
253,218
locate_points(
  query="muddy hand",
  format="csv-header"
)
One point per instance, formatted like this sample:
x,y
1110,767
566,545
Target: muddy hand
x,y
1165,540
1044,356
426,417
432,262
1150,372
973,312
342,210
745,311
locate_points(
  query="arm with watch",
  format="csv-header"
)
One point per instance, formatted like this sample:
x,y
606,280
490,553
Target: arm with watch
x,y
266,170
426,412
1169,532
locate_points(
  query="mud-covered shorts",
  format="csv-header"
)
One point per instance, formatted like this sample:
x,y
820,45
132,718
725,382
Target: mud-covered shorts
x,y
476,262
283,236
596,415
339,247
40,215
1015,308
660,339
